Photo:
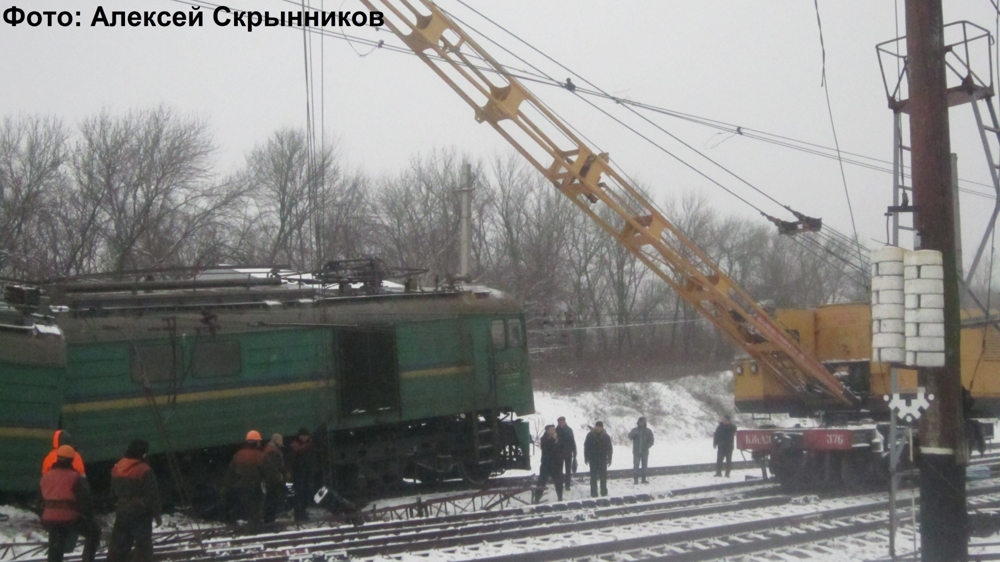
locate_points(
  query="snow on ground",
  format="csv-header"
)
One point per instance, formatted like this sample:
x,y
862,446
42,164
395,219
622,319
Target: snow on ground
x,y
19,525
682,413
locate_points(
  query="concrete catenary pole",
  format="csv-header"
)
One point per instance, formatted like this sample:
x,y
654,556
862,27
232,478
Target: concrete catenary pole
x,y
466,225
943,519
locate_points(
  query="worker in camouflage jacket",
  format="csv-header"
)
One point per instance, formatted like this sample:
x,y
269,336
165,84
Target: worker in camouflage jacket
x,y
642,440
138,505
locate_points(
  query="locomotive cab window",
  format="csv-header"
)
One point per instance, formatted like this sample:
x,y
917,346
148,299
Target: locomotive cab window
x,y
514,339
216,359
368,371
498,334
155,363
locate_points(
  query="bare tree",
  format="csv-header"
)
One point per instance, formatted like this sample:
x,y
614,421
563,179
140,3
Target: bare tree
x,y
350,225
418,214
32,158
280,176
148,177
529,221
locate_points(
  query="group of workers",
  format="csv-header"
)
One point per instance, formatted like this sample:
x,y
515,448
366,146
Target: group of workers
x,y
255,481
558,447
68,507
254,486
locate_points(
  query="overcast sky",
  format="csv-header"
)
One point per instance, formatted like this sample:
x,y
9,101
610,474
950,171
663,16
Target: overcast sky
x,y
755,64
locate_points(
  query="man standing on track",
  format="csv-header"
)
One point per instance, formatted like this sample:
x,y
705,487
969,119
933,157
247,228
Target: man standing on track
x,y
68,508
567,449
642,440
723,442
134,486
551,463
301,460
597,451
246,479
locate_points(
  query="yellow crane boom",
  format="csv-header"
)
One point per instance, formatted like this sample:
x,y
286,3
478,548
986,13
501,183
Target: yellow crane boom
x,y
588,179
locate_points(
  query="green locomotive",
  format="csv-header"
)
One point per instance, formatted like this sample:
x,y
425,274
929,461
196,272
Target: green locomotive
x,y
396,384
32,374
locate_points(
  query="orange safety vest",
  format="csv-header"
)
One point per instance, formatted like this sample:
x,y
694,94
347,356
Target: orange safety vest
x,y
130,468
59,498
51,458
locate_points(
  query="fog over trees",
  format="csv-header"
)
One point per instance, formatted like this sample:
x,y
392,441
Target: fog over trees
x,y
144,189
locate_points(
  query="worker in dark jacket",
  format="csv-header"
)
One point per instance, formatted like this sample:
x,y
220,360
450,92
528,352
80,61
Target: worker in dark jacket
x,y
60,438
597,450
642,440
723,442
138,505
567,449
274,500
246,480
302,462
551,463
68,508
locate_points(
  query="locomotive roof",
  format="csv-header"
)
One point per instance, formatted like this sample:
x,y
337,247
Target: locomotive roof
x,y
114,316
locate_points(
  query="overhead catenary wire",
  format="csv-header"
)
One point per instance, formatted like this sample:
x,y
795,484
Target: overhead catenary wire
x,y
833,127
671,135
823,254
607,114
863,161
807,147
644,118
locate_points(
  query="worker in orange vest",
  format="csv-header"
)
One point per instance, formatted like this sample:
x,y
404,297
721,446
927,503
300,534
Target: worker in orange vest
x,y
68,508
134,486
60,438
246,479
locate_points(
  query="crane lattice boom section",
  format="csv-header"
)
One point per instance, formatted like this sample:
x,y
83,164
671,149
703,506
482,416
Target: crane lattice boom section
x,y
588,179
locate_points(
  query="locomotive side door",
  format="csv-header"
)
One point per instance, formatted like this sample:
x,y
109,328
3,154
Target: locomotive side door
x,y
368,373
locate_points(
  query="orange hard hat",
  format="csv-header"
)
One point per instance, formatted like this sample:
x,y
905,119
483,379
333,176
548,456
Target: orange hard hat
x,y
253,435
65,452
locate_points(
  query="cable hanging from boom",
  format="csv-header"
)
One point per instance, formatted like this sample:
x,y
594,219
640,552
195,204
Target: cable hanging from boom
x,y
802,224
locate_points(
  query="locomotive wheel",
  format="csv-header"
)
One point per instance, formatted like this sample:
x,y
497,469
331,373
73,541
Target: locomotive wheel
x,y
475,474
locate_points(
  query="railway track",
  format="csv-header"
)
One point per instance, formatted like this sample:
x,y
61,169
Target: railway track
x,y
434,534
177,545
685,529
691,534
412,489
697,523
